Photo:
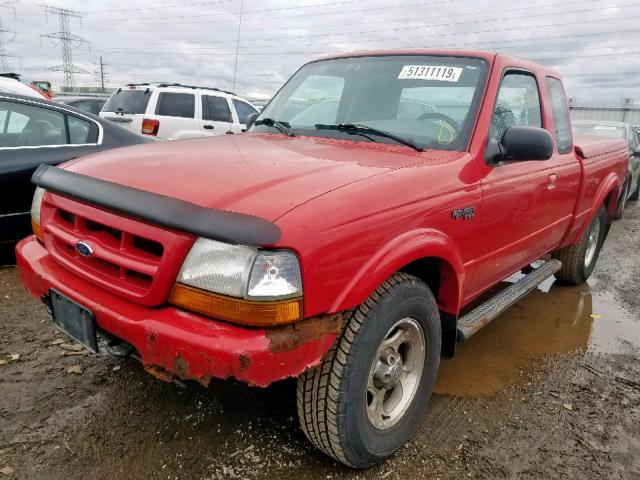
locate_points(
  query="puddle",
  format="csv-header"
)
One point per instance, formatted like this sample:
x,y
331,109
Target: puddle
x,y
554,319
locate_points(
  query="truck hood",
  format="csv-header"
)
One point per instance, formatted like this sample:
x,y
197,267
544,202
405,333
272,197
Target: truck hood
x,y
258,174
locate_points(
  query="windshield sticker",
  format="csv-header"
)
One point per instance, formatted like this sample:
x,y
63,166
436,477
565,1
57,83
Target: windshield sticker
x,y
430,72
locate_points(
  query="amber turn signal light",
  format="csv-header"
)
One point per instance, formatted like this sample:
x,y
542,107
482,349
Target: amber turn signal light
x,y
37,230
236,310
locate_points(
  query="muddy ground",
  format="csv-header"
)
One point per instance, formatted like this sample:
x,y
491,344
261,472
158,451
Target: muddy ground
x,y
549,390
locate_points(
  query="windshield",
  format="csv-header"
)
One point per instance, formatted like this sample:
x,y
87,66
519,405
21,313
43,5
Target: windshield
x,y
609,131
427,100
128,101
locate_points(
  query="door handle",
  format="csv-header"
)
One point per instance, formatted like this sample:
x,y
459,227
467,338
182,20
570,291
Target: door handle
x,y
209,127
553,179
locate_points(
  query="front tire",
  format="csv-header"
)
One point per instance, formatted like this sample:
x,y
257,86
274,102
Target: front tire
x,y
367,397
579,260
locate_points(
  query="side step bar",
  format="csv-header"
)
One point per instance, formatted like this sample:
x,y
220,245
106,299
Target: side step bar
x,y
488,311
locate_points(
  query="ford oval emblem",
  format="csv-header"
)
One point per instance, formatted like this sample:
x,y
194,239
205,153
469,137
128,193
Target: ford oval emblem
x,y
84,249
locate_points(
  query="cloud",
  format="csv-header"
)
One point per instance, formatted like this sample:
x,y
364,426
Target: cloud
x,y
195,42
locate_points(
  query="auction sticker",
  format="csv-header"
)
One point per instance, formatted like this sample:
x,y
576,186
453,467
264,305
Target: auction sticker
x,y
430,72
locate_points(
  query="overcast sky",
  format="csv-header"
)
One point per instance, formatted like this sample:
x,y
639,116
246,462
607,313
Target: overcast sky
x,y
591,42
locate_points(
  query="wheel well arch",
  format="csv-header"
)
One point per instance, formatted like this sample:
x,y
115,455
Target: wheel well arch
x,y
612,198
443,282
441,278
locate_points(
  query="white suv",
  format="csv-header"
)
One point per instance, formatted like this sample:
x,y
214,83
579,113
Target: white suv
x,y
174,111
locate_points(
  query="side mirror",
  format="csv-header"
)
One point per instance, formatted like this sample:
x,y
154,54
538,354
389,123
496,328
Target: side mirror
x,y
251,118
525,143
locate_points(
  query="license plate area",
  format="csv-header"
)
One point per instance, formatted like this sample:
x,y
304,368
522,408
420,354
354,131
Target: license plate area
x,y
75,320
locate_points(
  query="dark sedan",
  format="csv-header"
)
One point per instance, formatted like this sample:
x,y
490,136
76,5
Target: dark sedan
x,y
34,131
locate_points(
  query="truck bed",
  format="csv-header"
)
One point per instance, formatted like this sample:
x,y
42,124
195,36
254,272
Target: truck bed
x,y
589,146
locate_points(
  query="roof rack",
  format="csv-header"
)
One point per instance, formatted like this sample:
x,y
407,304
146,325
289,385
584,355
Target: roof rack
x,y
180,85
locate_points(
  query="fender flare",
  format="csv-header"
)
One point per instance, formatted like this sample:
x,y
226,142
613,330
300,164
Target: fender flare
x,y
610,184
400,252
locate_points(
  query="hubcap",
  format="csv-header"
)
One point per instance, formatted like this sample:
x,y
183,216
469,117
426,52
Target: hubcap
x,y
395,373
592,242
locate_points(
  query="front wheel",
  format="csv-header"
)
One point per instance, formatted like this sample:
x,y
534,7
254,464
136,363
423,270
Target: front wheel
x,y
579,260
366,398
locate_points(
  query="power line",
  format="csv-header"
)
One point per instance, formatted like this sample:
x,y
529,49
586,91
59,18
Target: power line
x,y
67,42
348,36
270,16
453,34
179,5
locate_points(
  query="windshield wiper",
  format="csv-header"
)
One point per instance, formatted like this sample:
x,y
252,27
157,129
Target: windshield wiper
x,y
284,127
361,129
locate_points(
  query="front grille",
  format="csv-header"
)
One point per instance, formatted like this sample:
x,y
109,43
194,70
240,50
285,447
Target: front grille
x,y
128,257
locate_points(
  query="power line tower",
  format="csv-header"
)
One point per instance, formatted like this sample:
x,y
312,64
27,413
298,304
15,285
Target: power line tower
x,y
6,36
67,40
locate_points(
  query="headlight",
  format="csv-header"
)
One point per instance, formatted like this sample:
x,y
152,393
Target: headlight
x,y
256,287
36,203
240,271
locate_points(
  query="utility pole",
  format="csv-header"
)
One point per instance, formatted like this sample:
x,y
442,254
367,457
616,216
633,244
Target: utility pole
x,y
67,42
102,74
235,65
6,36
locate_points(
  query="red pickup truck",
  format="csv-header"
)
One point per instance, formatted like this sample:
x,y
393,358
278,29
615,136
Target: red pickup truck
x,y
340,241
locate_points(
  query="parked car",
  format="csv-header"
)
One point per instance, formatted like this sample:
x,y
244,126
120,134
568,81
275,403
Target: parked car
x,y
174,111
12,85
88,104
340,253
628,132
36,131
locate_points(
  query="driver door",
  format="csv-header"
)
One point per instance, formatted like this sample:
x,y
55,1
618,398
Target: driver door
x,y
517,211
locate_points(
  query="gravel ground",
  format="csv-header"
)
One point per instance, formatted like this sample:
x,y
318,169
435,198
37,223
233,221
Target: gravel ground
x,y
551,389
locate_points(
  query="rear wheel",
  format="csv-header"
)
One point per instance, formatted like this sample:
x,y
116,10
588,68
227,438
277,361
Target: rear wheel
x,y
366,398
579,260
636,195
622,201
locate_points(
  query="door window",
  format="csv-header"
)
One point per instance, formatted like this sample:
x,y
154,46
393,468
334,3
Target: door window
x,y
215,109
79,130
560,115
518,103
27,125
176,105
243,110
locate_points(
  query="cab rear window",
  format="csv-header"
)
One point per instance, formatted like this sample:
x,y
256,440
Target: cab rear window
x,y
128,101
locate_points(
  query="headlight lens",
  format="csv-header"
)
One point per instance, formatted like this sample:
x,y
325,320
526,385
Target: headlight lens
x,y
275,275
36,203
241,271
217,267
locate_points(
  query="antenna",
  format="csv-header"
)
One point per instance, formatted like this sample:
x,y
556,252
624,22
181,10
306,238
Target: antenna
x,y
67,41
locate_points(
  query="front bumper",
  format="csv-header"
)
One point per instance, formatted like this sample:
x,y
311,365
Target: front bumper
x,y
175,342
